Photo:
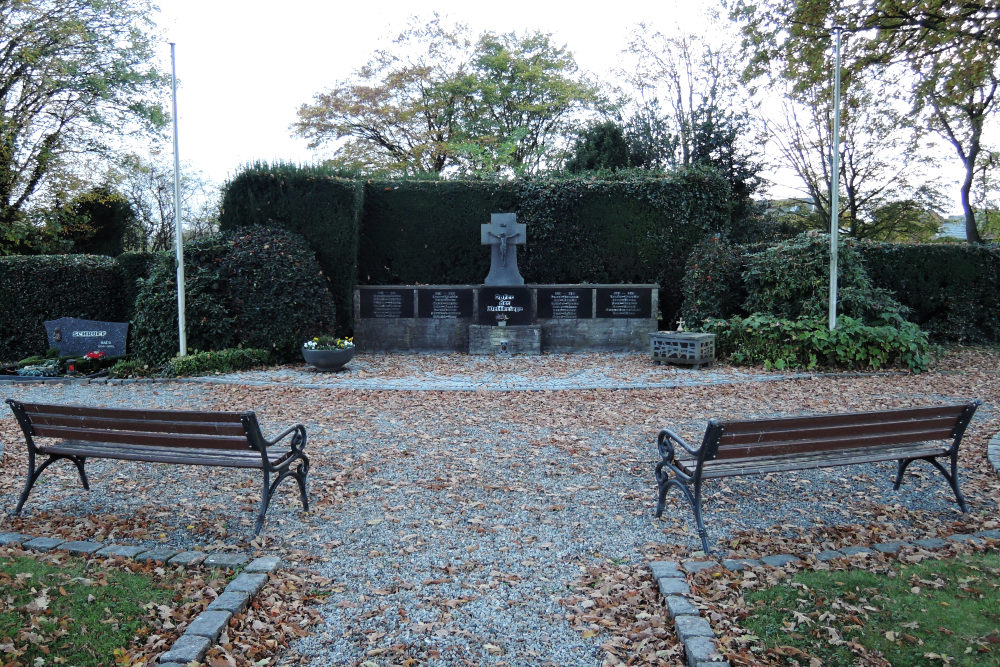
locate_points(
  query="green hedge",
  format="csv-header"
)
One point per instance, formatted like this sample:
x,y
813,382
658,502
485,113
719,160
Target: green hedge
x,y
134,267
315,202
37,288
952,290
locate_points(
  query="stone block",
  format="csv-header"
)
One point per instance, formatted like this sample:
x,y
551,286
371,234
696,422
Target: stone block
x,y
247,582
231,601
81,548
857,551
187,558
121,551
670,586
7,539
693,566
779,560
159,555
43,543
665,568
678,605
964,538
890,547
222,559
740,564
828,555
525,339
188,648
209,623
987,534
931,543
701,649
688,627
263,564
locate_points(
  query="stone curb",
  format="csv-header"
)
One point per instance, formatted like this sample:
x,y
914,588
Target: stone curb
x,y
694,631
205,628
993,452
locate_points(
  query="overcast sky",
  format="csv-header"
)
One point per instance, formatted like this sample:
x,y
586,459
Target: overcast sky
x,y
246,66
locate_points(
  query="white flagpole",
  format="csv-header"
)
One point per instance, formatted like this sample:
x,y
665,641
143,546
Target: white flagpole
x,y
179,240
835,184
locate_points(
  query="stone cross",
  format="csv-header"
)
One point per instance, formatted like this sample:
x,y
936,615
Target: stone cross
x,y
503,235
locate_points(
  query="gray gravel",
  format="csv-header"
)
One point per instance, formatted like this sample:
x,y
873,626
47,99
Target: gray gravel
x,y
446,542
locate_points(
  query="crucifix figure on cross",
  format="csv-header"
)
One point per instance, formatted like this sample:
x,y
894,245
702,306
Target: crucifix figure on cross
x,y
503,235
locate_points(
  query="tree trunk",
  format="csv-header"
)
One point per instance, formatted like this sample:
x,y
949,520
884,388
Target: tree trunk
x,y
971,231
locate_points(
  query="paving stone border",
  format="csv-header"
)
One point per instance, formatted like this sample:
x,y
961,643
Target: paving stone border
x,y
203,631
993,452
694,631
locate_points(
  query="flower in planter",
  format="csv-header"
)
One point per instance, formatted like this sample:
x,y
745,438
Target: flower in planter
x,y
96,354
328,343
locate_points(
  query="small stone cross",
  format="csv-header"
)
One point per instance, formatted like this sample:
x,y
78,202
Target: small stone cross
x,y
503,235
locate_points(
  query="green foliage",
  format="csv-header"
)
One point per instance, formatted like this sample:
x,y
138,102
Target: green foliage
x,y
791,279
315,202
251,287
601,146
712,286
38,288
219,361
133,267
96,222
952,290
781,344
132,367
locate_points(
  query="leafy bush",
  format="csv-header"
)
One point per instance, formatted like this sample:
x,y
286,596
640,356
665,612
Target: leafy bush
x,y
712,286
220,361
132,368
133,267
808,343
791,279
251,287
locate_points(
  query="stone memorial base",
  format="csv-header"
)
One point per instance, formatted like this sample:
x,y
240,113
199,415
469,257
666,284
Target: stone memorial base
x,y
521,339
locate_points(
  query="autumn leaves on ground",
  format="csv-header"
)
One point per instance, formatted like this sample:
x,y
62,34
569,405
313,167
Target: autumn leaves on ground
x,y
566,457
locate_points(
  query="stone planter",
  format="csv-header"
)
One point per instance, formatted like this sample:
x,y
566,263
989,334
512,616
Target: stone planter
x,y
688,349
328,360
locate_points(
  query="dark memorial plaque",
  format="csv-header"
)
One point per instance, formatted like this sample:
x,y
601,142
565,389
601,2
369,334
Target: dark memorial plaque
x,y
621,302
565,304
73,336
386,303
505,304
444,304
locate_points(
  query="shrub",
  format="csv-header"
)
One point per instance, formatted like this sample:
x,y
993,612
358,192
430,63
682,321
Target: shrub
x,y
791,279
221,361
712,286
251,287
131,368
808,343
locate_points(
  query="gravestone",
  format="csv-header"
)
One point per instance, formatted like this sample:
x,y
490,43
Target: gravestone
x,y
387,303
503,235
76,337
444,303
505,306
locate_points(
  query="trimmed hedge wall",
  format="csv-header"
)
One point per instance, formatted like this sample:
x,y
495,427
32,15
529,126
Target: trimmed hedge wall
x,y
316,203
952,290
37,288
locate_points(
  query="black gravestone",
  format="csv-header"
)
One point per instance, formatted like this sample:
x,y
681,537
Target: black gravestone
x,y
565,304
505,304
386,303
622,302
444,304
76,337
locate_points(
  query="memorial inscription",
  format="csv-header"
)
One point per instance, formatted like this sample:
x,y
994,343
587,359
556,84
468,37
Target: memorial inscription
x,y
444,304
510,305
565,304
72,336
386,303
625,302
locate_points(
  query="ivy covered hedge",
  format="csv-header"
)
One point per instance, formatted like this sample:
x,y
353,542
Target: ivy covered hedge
x,y
37,288
315,202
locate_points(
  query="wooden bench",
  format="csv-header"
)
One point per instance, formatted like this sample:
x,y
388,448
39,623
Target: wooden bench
x,y
757,447
222,439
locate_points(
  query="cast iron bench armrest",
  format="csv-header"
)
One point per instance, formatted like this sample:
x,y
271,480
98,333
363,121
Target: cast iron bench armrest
x,y
784,444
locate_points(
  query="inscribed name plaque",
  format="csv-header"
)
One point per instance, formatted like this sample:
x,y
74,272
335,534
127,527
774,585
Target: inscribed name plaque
x,y
386,303
511,305
634,302
72,336
444,304
565,304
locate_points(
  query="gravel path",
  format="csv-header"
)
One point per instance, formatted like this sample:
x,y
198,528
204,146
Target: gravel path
x,y
453,524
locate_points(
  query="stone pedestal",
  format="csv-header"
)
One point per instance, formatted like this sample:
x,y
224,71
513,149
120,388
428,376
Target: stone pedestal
x,y
525,339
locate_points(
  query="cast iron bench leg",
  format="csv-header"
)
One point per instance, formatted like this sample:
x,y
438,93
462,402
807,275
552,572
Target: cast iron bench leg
x,y
952,476
664,481
34,473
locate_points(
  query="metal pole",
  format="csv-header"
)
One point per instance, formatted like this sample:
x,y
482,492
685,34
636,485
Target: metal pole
x,y
179,238
835,183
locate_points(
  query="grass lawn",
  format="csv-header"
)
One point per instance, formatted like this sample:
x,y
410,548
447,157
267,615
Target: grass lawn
x,y
62,610
935,612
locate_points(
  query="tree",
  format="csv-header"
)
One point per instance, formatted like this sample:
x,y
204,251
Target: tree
x,y
97,222
72,73
440,101
599,146
953,46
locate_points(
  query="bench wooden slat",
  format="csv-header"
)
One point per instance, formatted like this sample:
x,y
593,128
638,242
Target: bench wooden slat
x,y
807,444
758,466
784,433
858,418
209,457
33,409
109,423
144,438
